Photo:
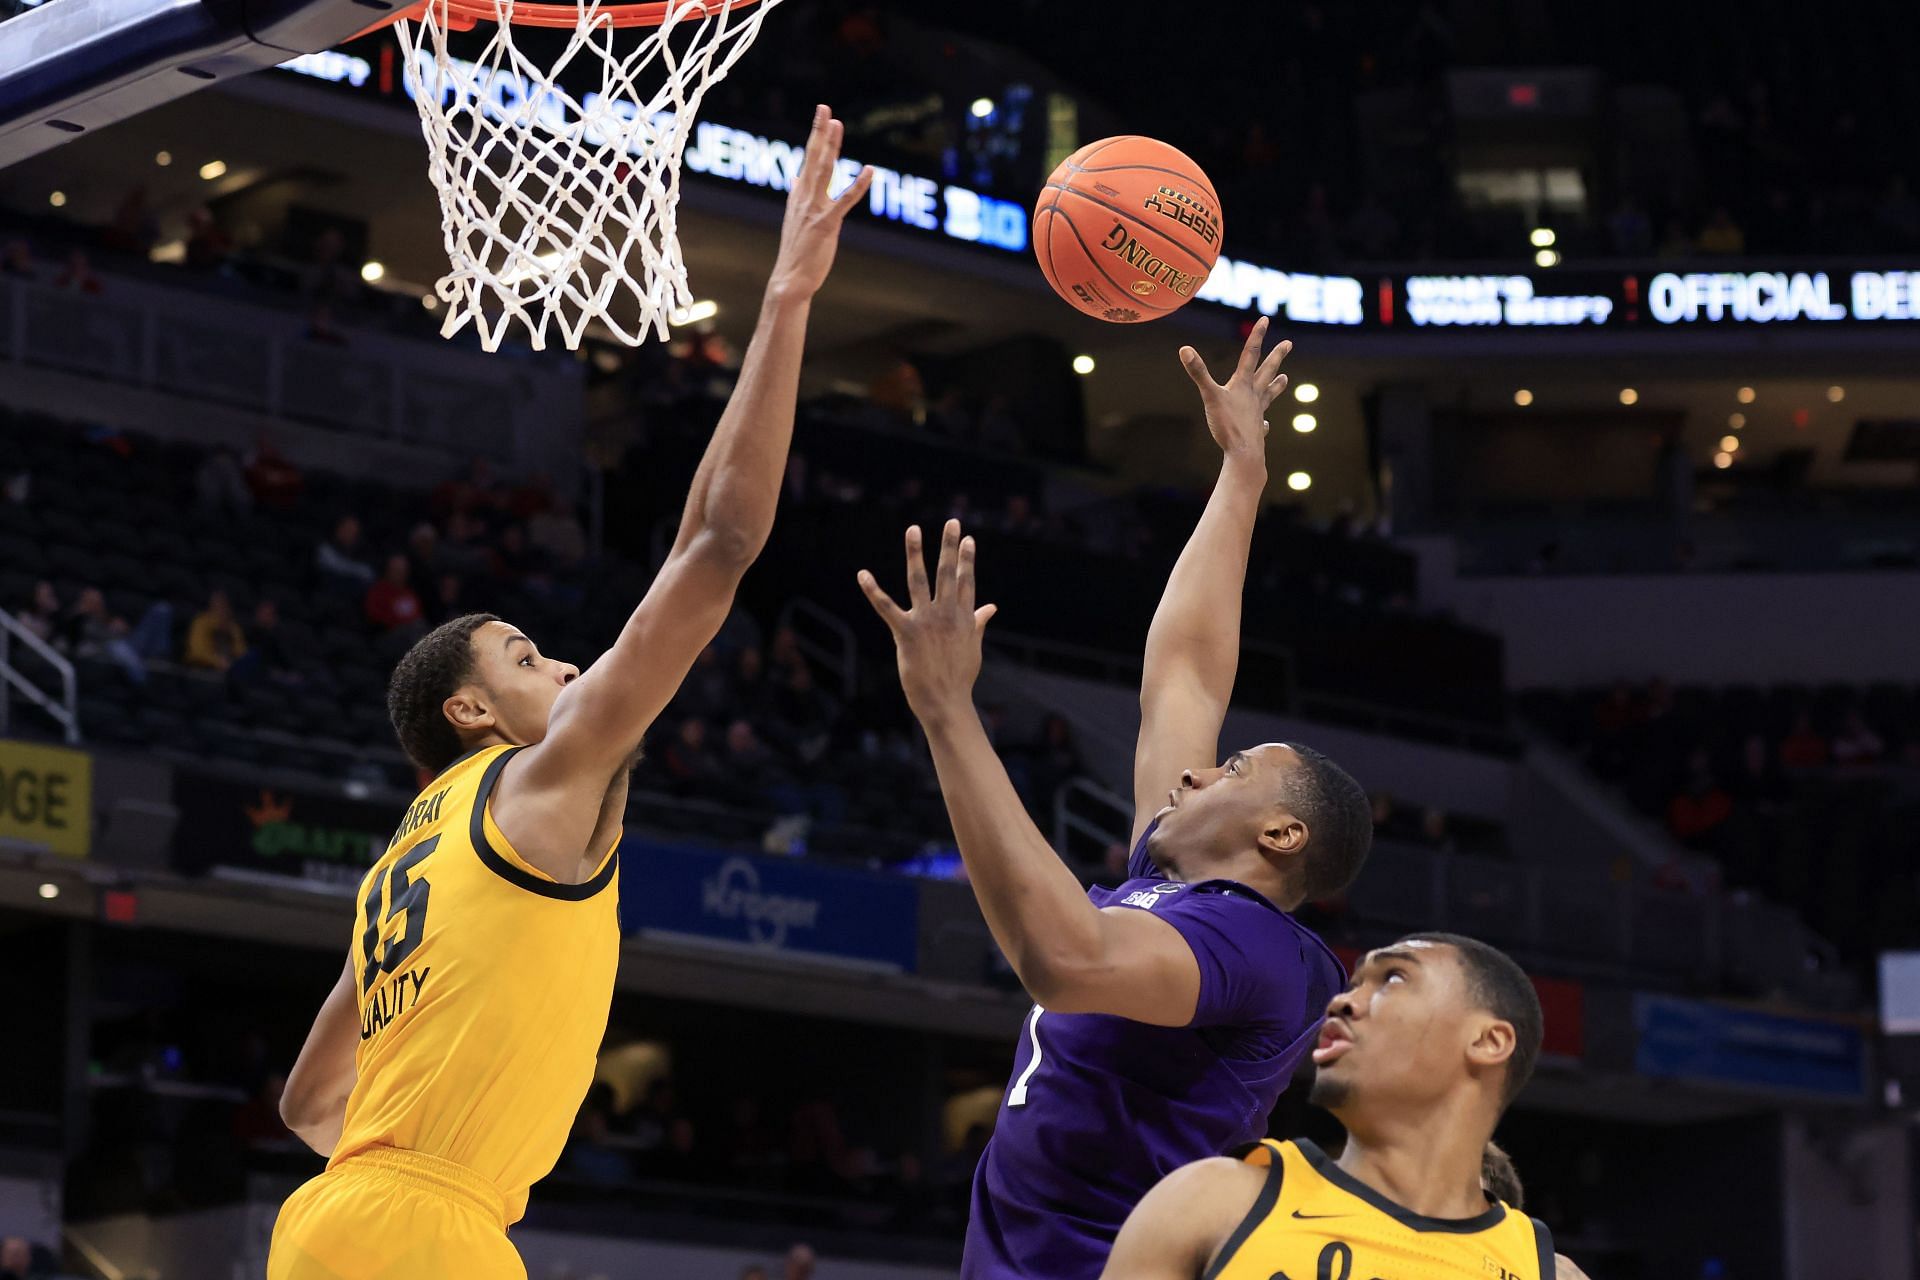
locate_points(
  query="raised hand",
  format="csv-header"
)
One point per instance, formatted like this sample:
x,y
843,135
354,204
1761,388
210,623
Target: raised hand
x,y
937,639
1236,412
810,232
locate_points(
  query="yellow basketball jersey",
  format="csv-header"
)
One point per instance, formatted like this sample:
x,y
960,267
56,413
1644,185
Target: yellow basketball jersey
x,y
1314,1221
484,990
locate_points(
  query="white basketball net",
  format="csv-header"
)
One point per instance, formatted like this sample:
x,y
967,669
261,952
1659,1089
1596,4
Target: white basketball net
x,y
560,209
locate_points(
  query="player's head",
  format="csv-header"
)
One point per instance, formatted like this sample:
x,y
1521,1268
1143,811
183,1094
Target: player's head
x,y
1498,1177
1279,816
470,682
1435,1024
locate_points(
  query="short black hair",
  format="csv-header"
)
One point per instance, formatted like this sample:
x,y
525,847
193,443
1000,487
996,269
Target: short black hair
x,y
438,664
1339,820
1500,1178
1503,989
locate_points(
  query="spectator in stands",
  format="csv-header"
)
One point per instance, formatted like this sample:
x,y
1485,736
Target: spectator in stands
x,y
588,1157
708,689
274,481
220,484
448,599
89,630
803,714
16,260
329,277
752,692
78,275
475,492
208,247
691,766
1856,743
557,532
1803,748
1722,235
134,229
390,603
1701,807
1054,761
268,655
423,558
1019,518
214,638
338,555
799,1263
21,1259
41,615
1436,830
321,328
1757,781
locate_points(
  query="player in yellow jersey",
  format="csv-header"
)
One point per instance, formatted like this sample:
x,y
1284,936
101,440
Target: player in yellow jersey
x,y
444,1070
1418,1058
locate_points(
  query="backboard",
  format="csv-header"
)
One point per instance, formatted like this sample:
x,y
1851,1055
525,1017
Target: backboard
x,y
70,66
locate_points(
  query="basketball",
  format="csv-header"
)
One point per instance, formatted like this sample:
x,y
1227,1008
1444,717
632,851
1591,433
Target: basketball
x,y
1127,229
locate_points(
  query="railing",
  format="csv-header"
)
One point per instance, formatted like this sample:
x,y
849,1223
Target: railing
x,y
825,640
1087,816
65,709
239,353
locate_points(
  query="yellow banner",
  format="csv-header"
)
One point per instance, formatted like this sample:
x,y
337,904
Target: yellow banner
x,y
46,797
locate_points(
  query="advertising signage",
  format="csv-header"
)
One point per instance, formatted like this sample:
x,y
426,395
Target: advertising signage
x,y
1645,301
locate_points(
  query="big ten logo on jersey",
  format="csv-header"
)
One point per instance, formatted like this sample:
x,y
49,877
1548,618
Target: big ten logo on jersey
x,y
396,922
1188,211
1156,270
1148,899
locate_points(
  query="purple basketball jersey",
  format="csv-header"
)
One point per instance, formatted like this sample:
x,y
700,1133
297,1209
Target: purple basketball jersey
x,y
1101,1108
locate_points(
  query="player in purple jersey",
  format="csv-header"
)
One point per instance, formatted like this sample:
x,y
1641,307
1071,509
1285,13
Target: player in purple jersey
x,y
1170,1012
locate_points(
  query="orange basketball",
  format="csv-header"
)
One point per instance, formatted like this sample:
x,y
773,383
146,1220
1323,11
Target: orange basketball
x,y
1127,229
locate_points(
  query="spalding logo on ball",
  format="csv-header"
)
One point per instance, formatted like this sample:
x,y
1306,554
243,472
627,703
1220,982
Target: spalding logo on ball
x,y
1127,229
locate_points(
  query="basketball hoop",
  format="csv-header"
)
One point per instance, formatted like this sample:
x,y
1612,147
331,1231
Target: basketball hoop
x,y
559,206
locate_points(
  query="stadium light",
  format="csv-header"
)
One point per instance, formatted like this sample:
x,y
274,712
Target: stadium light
x,y
1836,394
1736,420
1542,237
1523,397
429,302
372,271
58,199
1629,396
1546,258
163,158
1729,444
1723,460
1744,395
1083,365
1306,393
49,890
1299,481
982,108
705,309
213,169
1304,422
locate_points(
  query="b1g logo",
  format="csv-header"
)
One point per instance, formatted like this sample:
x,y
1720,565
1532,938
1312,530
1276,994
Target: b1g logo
x,y
1149,264
1148,899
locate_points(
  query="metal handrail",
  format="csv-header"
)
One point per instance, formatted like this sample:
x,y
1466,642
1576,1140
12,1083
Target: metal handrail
x,y
1067,823
66,711
841,656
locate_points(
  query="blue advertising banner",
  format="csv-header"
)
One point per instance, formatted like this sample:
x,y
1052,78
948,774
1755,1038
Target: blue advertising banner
x,y
1694,1040
769,904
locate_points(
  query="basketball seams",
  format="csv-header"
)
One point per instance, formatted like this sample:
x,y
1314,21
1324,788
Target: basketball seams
x,y
1154,168
1205,266
1126,292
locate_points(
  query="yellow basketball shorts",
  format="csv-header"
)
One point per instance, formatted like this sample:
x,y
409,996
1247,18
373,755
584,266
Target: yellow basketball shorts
x,y
387,1214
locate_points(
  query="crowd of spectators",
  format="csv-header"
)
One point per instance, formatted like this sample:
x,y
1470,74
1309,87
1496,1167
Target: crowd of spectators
x,y
1806,796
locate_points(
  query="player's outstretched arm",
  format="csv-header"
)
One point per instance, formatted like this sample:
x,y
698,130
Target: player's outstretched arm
x,y
1193,646
314,1103
1071,956
1175,1232
600,719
